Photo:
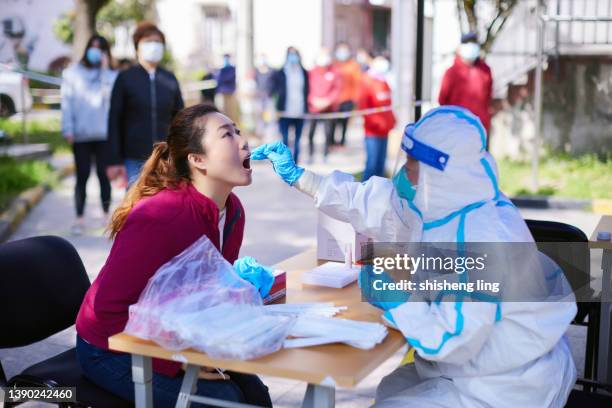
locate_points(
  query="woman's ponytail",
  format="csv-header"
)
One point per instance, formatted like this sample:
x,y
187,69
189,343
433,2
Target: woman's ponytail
x,y
157,173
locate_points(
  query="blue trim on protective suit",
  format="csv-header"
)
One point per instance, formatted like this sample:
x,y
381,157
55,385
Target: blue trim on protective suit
x,y
491,175
449,217
461,113
445,337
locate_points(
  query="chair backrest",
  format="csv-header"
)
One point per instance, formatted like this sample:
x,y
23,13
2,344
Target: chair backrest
x,y
573,258
42,285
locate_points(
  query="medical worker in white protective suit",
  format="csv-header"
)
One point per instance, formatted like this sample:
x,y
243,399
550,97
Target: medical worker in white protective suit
x,y
469,354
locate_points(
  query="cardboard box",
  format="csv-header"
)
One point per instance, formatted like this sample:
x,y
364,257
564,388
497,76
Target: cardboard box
x,y
333,237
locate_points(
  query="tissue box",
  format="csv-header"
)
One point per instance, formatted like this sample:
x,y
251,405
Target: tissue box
x,y
333,237
279,287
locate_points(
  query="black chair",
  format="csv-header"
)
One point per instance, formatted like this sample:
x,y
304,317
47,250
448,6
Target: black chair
x,y
574,260
42,285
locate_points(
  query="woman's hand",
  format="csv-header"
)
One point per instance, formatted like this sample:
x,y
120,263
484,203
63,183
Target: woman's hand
x,y
118,175
282,160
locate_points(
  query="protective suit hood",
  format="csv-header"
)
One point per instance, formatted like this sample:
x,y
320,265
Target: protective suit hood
x,y
462,174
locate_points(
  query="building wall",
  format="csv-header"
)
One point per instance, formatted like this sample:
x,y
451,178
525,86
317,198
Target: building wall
x,y
279,24
40,43
577,110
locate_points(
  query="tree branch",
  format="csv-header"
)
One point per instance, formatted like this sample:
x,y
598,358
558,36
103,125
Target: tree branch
x,y
504,10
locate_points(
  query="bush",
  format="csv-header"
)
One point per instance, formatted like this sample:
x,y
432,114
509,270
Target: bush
x,y
583,177
17,176
47,131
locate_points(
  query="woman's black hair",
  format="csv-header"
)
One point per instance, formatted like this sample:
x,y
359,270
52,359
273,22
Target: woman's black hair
x,y
104,47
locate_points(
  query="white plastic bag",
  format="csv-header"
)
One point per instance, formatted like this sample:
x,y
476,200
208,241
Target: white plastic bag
x,y
198,300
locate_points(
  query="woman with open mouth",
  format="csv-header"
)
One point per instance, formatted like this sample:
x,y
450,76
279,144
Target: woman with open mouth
x,y
184,191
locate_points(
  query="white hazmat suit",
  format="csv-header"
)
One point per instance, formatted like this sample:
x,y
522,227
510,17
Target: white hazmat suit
x,y
469,354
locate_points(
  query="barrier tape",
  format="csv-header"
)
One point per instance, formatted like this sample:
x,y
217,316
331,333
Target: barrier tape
x,y
33,75
342,115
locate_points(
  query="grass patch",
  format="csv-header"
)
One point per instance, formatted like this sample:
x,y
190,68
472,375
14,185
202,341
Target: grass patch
x,y
17,176
583,177
39,131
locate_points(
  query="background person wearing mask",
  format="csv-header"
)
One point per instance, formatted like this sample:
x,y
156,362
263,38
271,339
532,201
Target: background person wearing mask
x,y
86,89
364,59
324,91
468,83
291,88
145,98
226,86
376,93
349,72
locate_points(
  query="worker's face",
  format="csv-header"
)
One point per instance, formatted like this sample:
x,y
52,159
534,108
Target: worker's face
x,y
226,157
411,167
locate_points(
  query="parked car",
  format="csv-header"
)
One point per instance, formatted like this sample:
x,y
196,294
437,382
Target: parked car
x,y
13,98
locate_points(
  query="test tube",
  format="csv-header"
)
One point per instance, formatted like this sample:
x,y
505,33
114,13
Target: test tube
x,y
348,256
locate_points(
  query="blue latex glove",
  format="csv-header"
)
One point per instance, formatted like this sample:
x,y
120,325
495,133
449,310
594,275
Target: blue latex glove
x,y
282,160
258,275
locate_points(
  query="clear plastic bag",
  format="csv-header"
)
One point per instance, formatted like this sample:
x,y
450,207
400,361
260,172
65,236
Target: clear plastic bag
x,y
198,300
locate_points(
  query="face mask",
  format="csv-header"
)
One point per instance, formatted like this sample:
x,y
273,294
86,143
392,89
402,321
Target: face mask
x,y
94,55
469,51
342,54
151,51
323,60
293,58
226,62
380,66
362,59
403,186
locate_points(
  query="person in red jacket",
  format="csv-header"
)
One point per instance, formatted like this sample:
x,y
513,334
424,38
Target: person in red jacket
x,y
375,93
324,90
468,83
184,191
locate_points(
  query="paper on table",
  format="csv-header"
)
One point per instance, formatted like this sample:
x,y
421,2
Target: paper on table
x,y
315,308
363,335
331,274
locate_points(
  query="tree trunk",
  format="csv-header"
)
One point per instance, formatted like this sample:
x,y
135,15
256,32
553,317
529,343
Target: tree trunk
x,y
469,6
84,24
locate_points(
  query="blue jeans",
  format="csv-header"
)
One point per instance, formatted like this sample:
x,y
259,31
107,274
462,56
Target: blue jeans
x,y
297,124
132,168
113,372
376,154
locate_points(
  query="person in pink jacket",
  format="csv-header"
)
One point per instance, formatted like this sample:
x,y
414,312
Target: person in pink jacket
x,y
184,191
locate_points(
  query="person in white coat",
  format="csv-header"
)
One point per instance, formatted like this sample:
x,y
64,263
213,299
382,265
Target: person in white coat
x,y
468,353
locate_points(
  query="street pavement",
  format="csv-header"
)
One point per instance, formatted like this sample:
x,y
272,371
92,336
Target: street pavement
x,y
281,222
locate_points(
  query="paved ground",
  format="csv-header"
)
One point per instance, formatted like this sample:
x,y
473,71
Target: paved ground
x,y
281,222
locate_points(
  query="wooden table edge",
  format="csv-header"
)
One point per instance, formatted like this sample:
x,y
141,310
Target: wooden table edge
x,y
604,224
125,343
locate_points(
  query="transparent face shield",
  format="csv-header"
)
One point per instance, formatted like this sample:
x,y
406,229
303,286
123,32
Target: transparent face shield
x,y
418,151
